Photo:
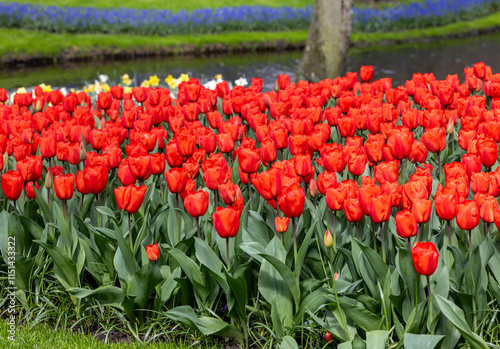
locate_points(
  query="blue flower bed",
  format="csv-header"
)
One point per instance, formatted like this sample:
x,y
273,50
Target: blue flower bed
x,y
241,18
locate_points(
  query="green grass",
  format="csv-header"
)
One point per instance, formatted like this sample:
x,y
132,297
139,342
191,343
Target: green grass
x,y
490,21
32,42
45,337
18,42
170,4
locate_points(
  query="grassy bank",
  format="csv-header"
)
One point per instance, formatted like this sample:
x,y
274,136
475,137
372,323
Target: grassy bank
x,y
24,45
45,337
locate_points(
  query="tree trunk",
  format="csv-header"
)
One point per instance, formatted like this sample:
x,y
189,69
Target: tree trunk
x,y
328,41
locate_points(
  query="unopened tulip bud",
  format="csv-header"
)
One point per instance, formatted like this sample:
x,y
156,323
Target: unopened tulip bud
x,y
313,188
82,152
6,159
328,239
49,181
281,224
102,123
450,126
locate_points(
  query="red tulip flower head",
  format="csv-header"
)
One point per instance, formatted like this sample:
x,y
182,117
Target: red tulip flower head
x,y
153,252
64,186
12,185
130,198
196,203
226,221
425,258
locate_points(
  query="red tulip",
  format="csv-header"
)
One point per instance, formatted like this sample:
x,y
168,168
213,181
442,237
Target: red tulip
x,y
291,200
153,252
400,141
406,224
468,215
380,208
130,198
434,139
335,198
281,224
352,210
30,168
196,203
12,185
80,183
226,221
422,209
140,166
425,258
249,160
446,201
176,179
366,74
95,178
64,186
229,192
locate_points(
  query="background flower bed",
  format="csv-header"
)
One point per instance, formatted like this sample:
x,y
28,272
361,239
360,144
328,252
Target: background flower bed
x,y
414,15
90,251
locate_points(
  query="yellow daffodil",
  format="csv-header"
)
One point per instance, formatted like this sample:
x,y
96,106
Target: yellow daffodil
x,y
183,78
127,89
46,88
171,81
154,81
21,90
126,79
145,83
105,87
218,77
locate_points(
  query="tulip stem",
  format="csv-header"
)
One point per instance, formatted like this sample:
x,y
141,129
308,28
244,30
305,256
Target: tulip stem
x,y
357,231
250,193
130,232
65,209
486,228
334,234
81,207
470,243
177,218
227,253
374,238
449,233
294,240
383,240
439,167
430,302
418,231
409,245
15,207
198,227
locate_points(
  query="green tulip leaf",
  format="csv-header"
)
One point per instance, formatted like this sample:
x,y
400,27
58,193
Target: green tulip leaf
x,y
419,341
456,316
377,339
64,267
206,325
104,295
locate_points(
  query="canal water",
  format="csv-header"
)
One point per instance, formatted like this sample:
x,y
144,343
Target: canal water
x,y
396,62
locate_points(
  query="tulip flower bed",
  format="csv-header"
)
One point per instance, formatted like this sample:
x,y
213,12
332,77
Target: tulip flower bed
x,y
61,19
345,210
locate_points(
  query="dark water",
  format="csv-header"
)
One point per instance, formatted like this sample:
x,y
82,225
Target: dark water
x,y
397,62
